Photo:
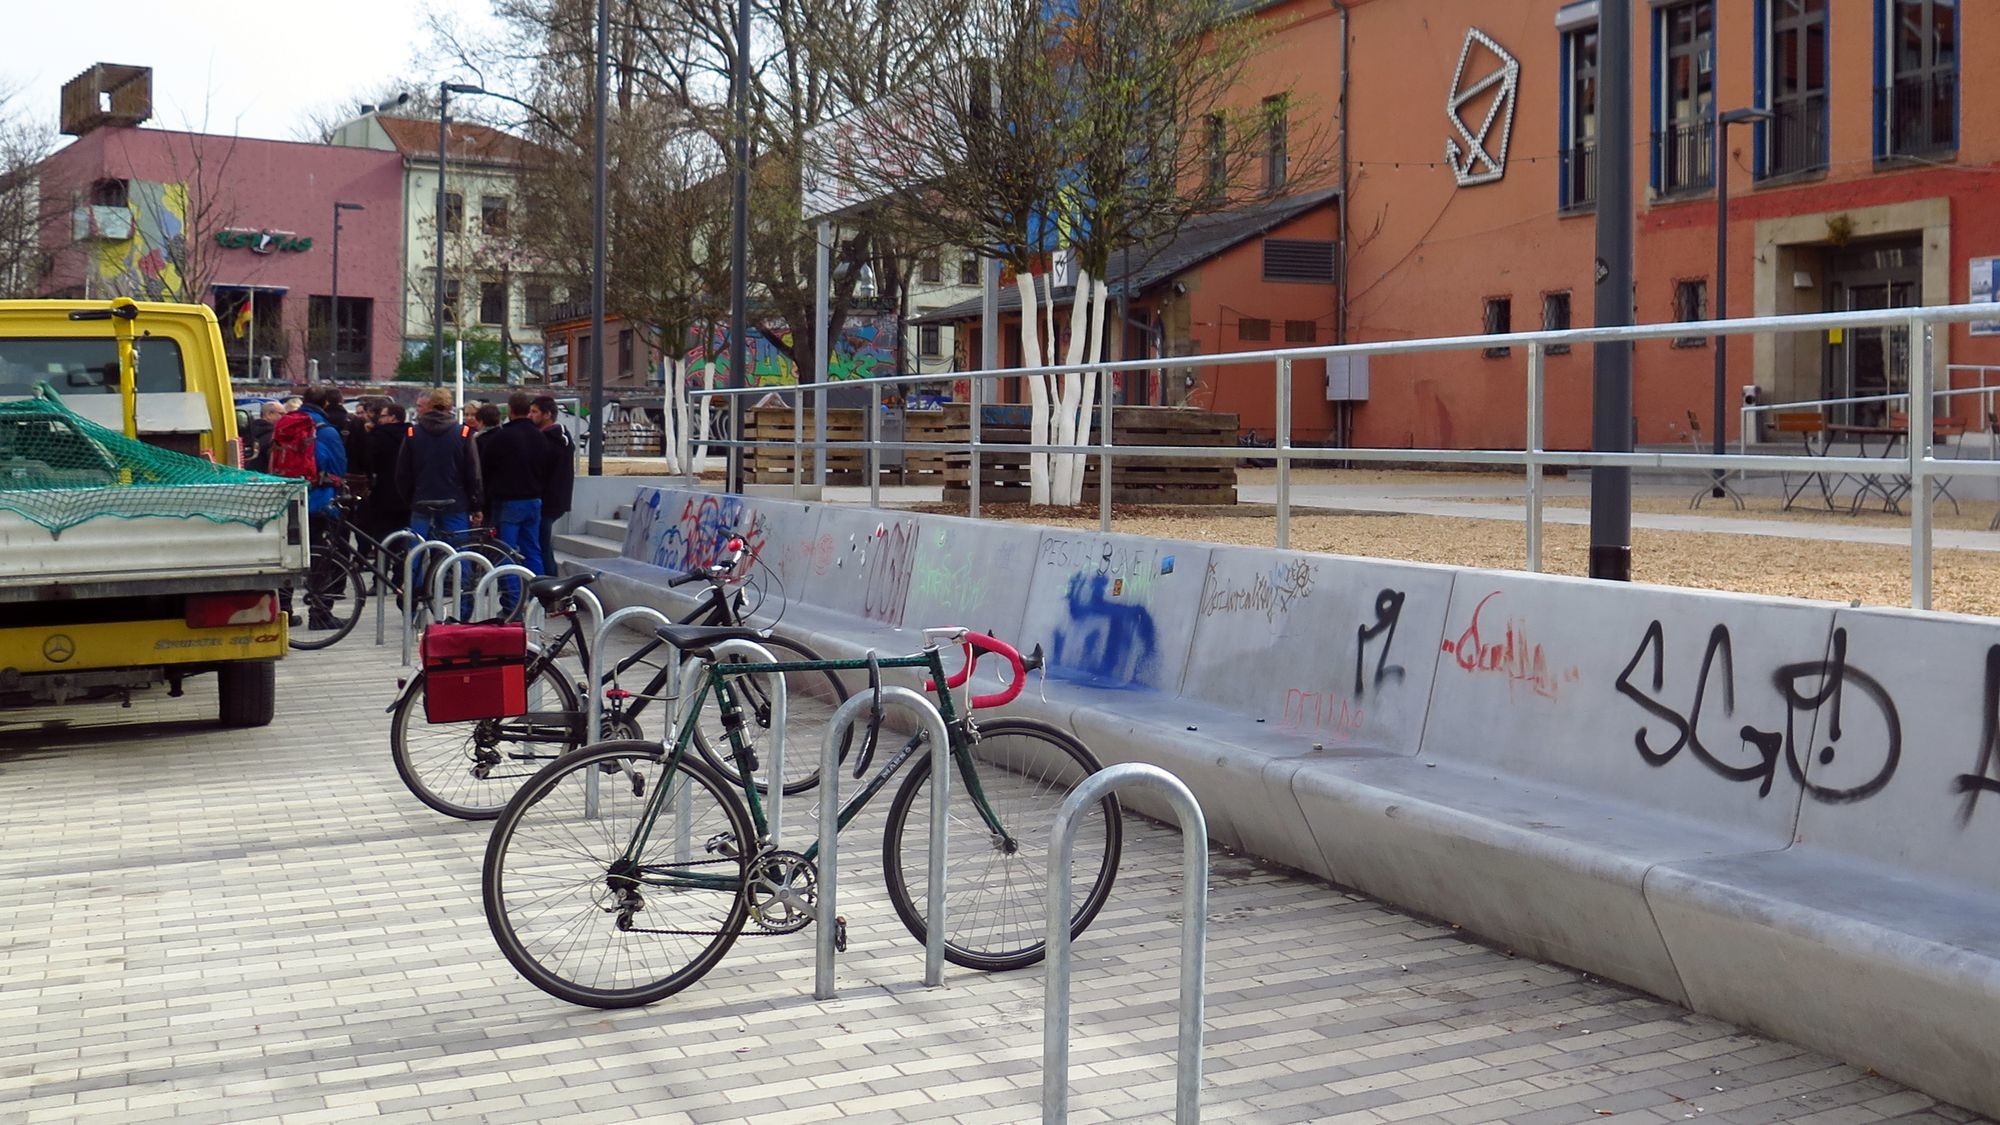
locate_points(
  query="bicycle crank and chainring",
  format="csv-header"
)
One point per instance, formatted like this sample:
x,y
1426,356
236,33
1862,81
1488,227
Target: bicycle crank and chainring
x,y
783,888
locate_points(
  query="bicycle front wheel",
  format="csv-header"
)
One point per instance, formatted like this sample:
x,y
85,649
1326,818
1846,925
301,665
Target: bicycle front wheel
x,y
470,769
327,605
810,701
588,925
996,884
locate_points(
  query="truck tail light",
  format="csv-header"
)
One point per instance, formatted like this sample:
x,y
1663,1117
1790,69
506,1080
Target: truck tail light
x,y
232,453
216,611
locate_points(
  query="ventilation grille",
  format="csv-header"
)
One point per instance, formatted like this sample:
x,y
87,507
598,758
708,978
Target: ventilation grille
x,y
1298,259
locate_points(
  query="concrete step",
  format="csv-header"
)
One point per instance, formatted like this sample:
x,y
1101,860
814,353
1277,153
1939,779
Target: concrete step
x,y
587,547
613,529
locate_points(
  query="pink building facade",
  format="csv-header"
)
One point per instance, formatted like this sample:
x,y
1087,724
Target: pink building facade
x,y
246,227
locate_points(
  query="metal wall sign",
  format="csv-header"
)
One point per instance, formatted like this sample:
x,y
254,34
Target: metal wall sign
x,y
1476,155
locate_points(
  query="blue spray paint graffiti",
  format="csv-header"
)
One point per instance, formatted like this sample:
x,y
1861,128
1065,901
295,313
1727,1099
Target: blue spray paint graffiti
x,y
695,537
1107,643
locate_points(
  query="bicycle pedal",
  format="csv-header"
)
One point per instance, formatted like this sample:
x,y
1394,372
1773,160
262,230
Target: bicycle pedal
x,y
839,934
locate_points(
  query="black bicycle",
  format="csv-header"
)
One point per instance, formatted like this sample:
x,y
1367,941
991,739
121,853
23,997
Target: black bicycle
x,y
470,769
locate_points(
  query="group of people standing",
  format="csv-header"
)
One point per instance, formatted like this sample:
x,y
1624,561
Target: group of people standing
x,y
435,475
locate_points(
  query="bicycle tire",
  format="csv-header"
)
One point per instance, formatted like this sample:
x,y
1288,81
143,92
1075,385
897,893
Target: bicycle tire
x,y
810,699
546,883
447,768
996,895
333,595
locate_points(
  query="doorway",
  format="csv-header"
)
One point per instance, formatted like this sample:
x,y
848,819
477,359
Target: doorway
x,y
1866,362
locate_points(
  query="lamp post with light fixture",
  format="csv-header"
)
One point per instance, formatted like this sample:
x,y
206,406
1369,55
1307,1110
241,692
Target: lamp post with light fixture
x,y
333,303
1723,121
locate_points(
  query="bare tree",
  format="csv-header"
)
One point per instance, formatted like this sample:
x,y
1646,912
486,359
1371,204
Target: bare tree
x,y
23,145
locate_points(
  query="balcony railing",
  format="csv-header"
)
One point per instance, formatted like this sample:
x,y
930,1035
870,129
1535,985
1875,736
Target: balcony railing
x,y
1579,175
1795,139
1918,114
1685,153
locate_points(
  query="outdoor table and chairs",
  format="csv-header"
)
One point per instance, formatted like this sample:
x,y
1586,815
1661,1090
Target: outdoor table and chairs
x,y
1883,442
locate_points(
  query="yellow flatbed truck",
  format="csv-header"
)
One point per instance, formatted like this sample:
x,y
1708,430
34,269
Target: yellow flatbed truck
x,y
123,568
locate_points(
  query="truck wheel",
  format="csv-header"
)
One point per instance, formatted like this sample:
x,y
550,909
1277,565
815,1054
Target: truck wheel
x,y
249,692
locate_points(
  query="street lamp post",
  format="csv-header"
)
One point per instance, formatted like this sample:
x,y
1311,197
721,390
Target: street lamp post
x,y
1722,123
445,91
333,303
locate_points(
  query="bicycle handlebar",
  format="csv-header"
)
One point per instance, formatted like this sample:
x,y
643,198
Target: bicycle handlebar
x,y
976,645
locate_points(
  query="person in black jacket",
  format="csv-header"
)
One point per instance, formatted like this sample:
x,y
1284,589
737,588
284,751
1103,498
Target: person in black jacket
x,y
559,482
257,437
437,471
385,509
514,459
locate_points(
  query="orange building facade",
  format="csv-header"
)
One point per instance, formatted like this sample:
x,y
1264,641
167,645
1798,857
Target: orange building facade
x,y
1469,178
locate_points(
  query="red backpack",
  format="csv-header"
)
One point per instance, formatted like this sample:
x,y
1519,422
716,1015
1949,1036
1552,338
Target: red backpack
x,y
293,452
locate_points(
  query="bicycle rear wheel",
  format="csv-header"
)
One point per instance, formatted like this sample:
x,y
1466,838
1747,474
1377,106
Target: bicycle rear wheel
x,y
810,700
327,605
470,769
580,923
996,886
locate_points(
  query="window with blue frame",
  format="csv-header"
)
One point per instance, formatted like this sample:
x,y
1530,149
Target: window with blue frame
x,y
1793,81
1579,122
1916,107
1684,96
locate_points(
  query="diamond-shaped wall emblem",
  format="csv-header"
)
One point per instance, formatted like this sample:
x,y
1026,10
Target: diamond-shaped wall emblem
x,y
1476,155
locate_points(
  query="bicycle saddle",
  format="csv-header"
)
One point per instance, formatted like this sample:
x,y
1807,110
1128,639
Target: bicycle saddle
x,y
695,640
551,590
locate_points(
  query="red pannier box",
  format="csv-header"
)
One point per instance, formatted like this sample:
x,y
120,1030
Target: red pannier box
x,y
474,672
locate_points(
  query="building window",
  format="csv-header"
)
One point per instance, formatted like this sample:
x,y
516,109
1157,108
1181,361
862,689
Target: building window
x,y
1916,108
492,302
493,214
930,270
968,270
625,352
110,193
1499,322
1795,87
1691,304
1217,175
451,296
1684,103
1579,122
1301,332
930,340
454,212
352,336
1253,328
1555,318
537,300
1276,108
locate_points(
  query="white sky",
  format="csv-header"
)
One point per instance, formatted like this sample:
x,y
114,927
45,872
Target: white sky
x,y
250,68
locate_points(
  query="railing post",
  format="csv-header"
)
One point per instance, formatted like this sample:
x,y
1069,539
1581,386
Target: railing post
x,y
874,432
1531,458
798,437
973,395
1283,446
844,718
1104,459
1922,431
1194,935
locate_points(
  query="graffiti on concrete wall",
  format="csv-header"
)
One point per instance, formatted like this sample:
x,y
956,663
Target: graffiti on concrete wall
x,y
882,561
866,346
1108,636
1494,644
694,535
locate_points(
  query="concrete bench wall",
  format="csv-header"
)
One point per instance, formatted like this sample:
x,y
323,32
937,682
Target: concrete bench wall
x,y
1783,813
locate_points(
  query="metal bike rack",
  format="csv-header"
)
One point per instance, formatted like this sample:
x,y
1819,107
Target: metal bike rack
x,y
1194,935
844,718
449,571
489,584
594,686
415,608
780,714
381,573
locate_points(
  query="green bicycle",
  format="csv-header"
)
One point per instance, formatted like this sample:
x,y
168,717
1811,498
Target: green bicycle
x,y
623,871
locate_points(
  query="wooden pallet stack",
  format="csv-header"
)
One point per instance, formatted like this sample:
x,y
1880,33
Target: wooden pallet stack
x,y
632,435
1003,475
770,461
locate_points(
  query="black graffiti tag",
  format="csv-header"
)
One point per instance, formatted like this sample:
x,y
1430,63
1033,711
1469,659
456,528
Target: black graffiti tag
x,y
1981,779
1833,676
1388,611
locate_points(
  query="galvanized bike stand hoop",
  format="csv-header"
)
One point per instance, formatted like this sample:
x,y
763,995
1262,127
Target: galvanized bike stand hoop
x,y
1194,935
844,718
487,592
594,685
416,610
452,571
380,571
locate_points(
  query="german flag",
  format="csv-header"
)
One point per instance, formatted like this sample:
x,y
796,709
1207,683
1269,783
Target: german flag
x,y
244,312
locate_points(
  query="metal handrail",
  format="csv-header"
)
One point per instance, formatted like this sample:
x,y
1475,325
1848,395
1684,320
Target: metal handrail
x,y
1919,467
844,719
1194,934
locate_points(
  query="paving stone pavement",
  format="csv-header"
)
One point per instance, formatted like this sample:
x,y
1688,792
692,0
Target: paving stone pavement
x,y
211,925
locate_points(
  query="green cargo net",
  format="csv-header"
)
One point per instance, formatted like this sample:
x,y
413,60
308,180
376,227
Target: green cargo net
x,y
58,470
